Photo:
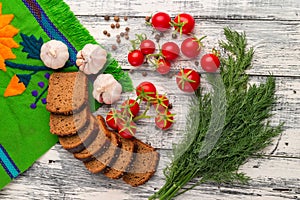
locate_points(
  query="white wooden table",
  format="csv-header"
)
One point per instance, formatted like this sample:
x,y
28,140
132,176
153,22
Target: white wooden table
x,y
272,27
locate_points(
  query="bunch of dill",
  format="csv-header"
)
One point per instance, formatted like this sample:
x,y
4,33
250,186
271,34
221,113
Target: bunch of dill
x,y
224,127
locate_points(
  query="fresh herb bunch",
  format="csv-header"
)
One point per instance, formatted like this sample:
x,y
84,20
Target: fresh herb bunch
x,y
233,124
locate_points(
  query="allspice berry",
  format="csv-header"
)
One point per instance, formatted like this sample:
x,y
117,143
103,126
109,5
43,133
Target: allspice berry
x,y
116,18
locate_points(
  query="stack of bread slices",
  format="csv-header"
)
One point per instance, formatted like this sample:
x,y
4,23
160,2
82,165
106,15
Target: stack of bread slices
x,y
89,139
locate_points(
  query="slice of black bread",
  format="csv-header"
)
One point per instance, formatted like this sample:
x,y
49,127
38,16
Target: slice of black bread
x,y
99,145
67,92
79,141
102,160
117,169
64,125
143,166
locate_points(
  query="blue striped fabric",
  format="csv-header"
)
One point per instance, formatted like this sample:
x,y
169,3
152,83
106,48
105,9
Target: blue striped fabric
x,y
50,29
8,164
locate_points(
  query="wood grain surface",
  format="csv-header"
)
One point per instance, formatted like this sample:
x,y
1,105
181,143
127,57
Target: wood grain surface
x,y
272,28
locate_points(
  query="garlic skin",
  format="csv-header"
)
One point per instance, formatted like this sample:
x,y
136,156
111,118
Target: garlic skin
x,y
54,54
107,89
91,59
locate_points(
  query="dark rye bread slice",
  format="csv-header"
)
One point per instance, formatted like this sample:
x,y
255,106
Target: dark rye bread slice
x,y
143,166
67,92
104,159
64,125
79,141
100,144
117,169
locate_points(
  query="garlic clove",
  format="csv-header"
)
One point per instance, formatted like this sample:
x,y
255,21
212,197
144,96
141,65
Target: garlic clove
x,y
54,54
94,58
107,89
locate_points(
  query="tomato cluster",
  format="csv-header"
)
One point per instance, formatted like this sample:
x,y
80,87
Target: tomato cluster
x,y
124,119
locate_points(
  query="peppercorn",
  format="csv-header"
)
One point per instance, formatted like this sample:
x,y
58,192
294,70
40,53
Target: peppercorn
x,y
117,25
114,47
116,18
127,29
105,32
147,19
122,34
174,35
108,34
118,36
125,18
112,25
106,17
126,37
144,73
118,40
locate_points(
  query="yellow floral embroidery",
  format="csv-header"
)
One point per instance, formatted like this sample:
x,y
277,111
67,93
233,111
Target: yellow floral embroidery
x,y
7,32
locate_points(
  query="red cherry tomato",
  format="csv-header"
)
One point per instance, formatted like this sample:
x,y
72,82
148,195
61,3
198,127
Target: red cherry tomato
x,y
191,47
161,21
130,106
147,47
210,62
184,23
161,102
188,80
112,117
126,128
163,66
170,50
136,58
164,120
146,91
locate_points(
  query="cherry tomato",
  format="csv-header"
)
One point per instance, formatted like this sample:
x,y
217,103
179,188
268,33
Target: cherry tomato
x,y
184,23
164,120
146,91
210,62
161,21
136,58
131,107
147,47
112,118
191,47
126,128
163,66
170,50
188,80
161,102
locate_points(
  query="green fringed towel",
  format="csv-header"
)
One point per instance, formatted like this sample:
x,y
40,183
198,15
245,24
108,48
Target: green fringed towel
x,y
24,26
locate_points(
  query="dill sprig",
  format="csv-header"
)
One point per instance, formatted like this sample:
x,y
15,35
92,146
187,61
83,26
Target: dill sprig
x,y
224,127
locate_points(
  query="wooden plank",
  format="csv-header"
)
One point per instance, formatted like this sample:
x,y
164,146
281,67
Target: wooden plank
x,y
57,175
243,9
276,43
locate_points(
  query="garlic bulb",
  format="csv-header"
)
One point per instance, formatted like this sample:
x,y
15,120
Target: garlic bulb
x,y
54,54
91,59
106,89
